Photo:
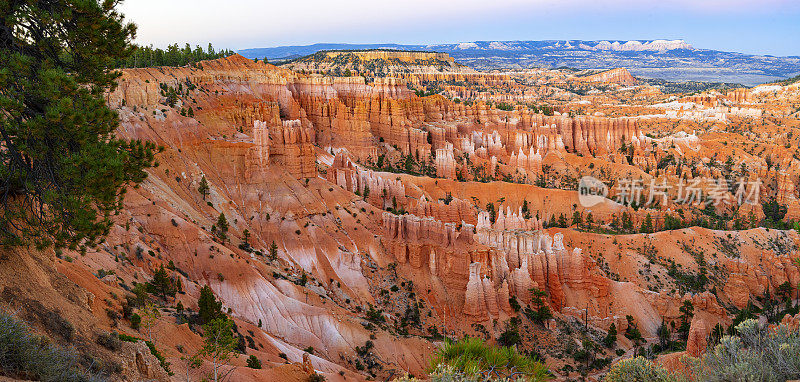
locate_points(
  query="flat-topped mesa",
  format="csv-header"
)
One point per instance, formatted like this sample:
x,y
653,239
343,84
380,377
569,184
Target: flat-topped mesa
x,y
374,63
144,87
414,67
391,55
617,76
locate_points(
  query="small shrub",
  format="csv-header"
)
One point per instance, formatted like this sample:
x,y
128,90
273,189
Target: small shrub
x,y
472,357
253,362
109,341
136,321
637,369
26,355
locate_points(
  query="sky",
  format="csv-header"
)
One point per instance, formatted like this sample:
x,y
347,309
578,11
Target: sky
x,y
748,26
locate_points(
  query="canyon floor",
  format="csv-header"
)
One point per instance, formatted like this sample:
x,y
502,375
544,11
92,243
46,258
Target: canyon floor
x,y
351,210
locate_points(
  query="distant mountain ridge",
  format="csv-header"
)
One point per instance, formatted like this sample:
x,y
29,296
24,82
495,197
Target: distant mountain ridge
x,y
673,60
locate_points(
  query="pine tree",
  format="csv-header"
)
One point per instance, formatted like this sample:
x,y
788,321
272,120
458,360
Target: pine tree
x,y
246,238
526,213
162,284
663,335
222,228
577,219
492,211
273,251
208,306
63,174
540,311
647,224
687,312
611,337
172,97
627,223
203,188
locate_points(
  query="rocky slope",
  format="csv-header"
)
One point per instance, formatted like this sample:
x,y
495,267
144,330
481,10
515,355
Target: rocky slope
x,y
400,218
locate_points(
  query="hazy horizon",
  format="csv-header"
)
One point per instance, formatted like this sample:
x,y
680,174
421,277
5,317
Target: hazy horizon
x,y
768,27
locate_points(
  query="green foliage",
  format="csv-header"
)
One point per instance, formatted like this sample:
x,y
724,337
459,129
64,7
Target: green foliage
x,y
136,321
209,308
492,212
632,332
203,188
375,315
473,357
147,56
789,81
611,337
159,357
245,239
63,174
504,106
220,228
510,336
773,211
627,222
25,355
162,284
755,353
647,225
127,338
273,251
540,312
253,362
687,312
141,295
637,369
219,343
512,301
577,219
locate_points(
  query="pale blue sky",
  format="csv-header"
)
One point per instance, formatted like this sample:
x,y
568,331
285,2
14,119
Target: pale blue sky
x,y
748,26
